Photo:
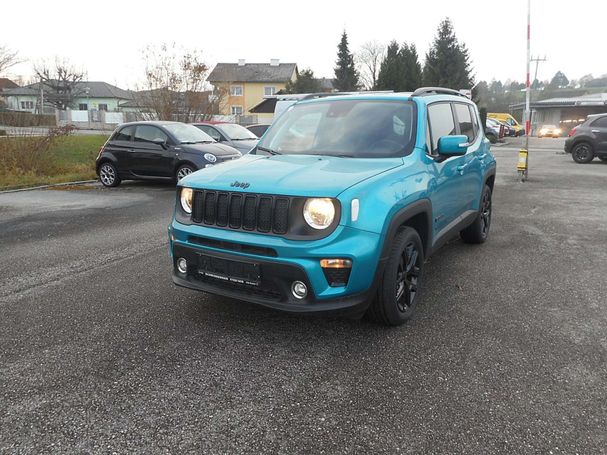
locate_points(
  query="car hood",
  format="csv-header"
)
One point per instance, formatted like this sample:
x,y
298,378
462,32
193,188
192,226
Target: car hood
x,y
215,148
245,146
292,175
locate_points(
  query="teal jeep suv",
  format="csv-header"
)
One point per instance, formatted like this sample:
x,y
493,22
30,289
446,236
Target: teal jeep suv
x,y
339,204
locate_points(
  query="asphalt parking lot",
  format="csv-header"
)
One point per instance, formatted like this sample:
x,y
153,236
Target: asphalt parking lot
x,y
99,352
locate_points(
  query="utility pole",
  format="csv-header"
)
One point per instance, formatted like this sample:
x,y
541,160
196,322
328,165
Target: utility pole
x,y
537,61
523,155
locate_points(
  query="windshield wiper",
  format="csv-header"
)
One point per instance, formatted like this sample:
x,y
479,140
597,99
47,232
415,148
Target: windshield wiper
x,y
265,149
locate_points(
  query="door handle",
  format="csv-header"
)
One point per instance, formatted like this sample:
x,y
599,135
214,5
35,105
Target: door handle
x,y
596,131
461,168
481,157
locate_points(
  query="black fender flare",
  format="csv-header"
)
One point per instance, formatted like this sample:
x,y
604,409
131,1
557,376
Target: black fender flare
x,y
421,206
490,173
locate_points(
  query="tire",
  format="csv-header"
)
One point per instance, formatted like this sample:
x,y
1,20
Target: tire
x,y
398,292
582,153
478,231
108,175
183,171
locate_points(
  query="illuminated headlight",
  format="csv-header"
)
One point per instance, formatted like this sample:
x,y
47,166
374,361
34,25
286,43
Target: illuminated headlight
x,y
543,131
319,212
210,157
557,131
186,199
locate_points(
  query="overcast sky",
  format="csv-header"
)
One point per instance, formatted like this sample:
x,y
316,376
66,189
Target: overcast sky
x,y
106,36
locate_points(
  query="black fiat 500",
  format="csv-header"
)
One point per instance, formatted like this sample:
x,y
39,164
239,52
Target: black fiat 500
x,y
159,151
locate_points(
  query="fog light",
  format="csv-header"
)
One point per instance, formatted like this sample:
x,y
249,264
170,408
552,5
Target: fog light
x,y
299,290
182,265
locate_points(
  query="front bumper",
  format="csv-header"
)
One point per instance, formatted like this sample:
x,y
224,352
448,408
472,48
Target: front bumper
x,y
282,262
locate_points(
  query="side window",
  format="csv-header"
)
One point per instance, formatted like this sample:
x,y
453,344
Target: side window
x,y
600,122
441,121
464,119
125,134
211,132
148,133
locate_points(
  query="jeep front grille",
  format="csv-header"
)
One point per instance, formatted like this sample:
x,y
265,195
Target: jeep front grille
x,y
251,212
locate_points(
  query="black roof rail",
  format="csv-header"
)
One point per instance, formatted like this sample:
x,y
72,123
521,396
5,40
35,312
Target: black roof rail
x,y
326,94
436,91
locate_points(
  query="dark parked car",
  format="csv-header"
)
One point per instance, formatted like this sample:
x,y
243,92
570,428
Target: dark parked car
x,y
258,130
158,150
588,140
231,134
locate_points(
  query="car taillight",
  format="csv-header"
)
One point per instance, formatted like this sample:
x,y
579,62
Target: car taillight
x,y
572,132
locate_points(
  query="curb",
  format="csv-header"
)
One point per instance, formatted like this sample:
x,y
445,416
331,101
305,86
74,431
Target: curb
x,y
42,187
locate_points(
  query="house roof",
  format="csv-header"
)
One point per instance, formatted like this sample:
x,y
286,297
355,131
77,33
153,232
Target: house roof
x,y
592,99
145,98
326,84
97,89
252,72
6,84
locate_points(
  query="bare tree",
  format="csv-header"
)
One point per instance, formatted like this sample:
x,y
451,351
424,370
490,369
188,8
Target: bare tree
x,y
8,58
175,85
61,81
368,59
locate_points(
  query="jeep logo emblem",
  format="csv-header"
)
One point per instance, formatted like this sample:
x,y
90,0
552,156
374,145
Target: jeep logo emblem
x,y
237,184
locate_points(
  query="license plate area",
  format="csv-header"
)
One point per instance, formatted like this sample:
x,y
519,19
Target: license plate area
x,y
229,271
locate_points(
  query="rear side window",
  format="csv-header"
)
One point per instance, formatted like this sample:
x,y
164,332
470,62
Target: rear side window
x,y
464,120
600,122
440,117
147,133
125,134
211,132
475,124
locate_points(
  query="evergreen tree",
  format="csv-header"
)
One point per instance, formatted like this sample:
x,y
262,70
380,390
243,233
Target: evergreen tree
x,y
447,62
400,69
412,69
559,80
346,76
305,83
390,70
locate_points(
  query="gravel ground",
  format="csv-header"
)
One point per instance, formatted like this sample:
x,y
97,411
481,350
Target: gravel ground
x,y
100,353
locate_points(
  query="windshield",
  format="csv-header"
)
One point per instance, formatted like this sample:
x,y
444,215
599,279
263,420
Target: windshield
x,y
236,132
352,128
187,134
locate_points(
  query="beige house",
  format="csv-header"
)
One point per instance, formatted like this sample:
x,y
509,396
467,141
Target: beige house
x,y
243,85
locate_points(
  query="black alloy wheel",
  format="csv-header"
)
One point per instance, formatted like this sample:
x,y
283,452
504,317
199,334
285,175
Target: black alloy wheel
x,y
582,153
407,275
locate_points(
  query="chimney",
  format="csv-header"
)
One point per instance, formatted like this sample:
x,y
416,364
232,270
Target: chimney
x,y
241,62
274,62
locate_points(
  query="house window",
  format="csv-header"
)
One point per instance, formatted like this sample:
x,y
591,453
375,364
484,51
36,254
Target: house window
x,y
269,91
235,90
83,107
103,107
236,110
27,104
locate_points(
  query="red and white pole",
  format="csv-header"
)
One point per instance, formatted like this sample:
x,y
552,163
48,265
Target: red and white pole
x,y
528,91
